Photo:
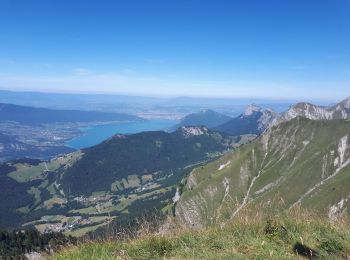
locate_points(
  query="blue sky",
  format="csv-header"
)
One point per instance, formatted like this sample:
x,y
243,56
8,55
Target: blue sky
x,y
221,48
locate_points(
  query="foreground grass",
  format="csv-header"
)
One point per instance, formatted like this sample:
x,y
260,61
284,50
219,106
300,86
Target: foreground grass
x,y
246,238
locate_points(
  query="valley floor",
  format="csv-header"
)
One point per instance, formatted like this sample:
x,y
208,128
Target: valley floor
x,y
297,235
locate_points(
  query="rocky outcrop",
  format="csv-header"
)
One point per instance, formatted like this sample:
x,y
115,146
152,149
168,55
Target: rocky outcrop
x,y
310,111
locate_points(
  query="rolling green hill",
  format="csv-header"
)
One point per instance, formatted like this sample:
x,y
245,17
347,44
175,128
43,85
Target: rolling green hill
x,y
299,162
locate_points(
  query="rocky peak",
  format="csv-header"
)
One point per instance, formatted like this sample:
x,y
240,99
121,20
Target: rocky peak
x,y
345,103
250,109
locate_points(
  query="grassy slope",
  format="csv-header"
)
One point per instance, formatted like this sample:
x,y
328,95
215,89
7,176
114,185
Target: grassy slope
x,y
300,154
247,238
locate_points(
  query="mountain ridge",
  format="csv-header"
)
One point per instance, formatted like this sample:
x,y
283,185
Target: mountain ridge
x,y
300,162
340,110
254,120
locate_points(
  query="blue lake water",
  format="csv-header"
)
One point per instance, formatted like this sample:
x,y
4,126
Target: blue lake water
x,y
96,134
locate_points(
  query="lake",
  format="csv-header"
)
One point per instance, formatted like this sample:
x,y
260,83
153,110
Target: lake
x,y
96,134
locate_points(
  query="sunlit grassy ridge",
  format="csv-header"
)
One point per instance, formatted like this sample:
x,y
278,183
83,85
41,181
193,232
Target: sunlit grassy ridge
x,y
249,237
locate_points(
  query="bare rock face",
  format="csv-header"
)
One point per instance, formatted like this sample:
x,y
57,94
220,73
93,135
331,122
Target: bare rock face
x,y
310,111
250,109
268,119
189,131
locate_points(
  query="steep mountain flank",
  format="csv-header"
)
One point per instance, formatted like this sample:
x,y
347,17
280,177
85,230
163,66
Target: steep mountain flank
x,y
253,121
298,162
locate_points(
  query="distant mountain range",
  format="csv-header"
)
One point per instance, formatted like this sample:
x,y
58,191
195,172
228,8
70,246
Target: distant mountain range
x,y
207,118
34,116
253,121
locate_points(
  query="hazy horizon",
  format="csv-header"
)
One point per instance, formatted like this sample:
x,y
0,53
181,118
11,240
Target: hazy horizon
x,y
250,100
